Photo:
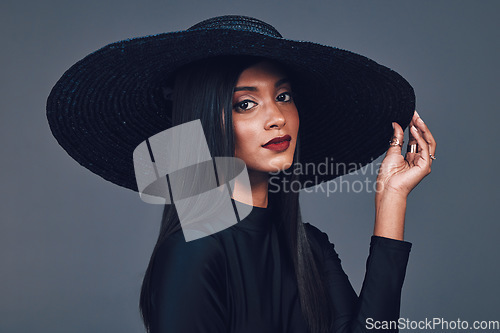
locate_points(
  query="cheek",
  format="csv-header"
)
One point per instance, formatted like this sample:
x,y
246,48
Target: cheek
x,y
242,133
294,121
297,122
238,133
245,132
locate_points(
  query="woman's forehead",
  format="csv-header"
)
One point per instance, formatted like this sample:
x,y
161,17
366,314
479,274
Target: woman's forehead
x,y
263,70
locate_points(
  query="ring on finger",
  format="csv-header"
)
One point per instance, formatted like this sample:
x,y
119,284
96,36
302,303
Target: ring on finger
x,y
432,157
395,142
412,148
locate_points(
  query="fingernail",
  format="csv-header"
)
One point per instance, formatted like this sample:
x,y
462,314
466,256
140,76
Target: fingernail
x,y
417,113
392,125
414,128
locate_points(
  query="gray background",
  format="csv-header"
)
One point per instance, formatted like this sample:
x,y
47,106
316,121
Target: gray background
x,y
73,247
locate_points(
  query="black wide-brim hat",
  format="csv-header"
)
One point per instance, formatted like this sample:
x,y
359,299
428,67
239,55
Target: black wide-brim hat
x,y
109,102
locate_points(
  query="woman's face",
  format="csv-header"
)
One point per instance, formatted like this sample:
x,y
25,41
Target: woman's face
x,y
264,110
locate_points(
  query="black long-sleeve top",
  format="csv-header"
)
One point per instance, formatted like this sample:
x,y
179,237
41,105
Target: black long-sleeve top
x,y
240,280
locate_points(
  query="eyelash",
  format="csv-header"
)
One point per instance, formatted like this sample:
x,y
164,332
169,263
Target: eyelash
x,y
238,106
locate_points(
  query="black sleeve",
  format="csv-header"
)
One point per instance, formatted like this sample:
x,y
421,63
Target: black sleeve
x,y
380,296
188,284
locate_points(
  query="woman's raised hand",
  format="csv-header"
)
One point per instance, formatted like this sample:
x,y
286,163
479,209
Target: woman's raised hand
x,y
399,175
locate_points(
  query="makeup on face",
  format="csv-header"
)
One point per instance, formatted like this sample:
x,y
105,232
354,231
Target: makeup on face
x,y
265,118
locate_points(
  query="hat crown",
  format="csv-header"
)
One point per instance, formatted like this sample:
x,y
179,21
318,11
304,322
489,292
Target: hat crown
x,y
240,23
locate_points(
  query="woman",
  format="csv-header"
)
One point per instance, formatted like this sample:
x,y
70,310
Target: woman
x,y
250,89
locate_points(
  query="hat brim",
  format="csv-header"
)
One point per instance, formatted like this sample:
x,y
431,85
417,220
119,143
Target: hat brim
x,y
105,105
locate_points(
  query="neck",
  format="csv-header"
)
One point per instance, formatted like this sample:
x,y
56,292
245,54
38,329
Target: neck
x,y
257,195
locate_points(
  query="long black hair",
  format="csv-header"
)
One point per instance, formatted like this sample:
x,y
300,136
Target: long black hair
x,y
204,90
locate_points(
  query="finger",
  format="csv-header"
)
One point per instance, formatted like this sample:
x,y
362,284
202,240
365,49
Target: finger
x,y
396,140
410,156
422,159
426,133
412,139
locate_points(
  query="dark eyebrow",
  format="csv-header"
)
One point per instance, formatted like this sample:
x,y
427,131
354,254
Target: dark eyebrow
x,y
282,81
245,88
276,85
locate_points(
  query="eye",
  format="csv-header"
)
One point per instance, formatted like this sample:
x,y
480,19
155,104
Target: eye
x,y
244,105
284,97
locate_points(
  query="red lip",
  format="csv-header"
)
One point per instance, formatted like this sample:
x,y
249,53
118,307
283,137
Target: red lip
x,y
278,140
278,144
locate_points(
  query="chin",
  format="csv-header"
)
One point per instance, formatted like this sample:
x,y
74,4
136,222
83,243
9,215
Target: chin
x,y
280,165
268,164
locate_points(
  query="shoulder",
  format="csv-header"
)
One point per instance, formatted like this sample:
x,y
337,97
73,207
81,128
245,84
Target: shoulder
x,y
319,241
315,235
313,231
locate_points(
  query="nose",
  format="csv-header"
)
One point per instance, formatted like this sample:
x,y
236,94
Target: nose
x,y
276,118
